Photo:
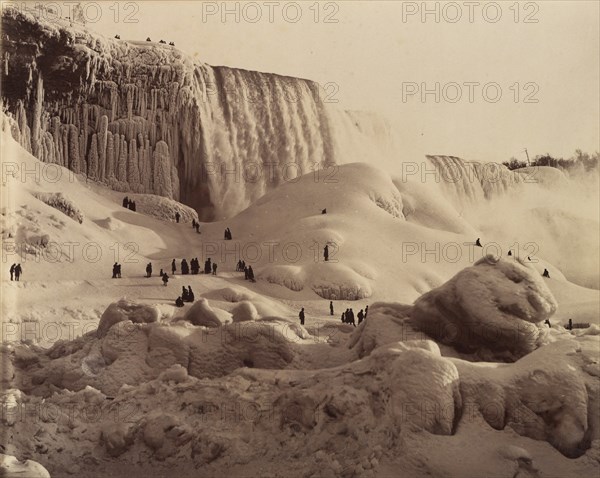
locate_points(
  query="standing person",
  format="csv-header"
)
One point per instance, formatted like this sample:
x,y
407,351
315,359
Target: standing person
x,y
251,274
165,278
214,269
118,271
173,267
114,276
570,326
198,227
366,312
193,223
149,270
546,273
343,317
330,307
301,316
360,316
126,202
185,269
190,294
478,243
177,216
229,234
207,266
133,206
161,273
352,318
184,294
18,272
326,252
246,275
12,271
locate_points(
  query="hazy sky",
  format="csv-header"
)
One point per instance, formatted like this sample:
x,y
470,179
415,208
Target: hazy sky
x,y
376,51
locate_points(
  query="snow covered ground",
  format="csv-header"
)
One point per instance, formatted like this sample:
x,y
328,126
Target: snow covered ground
x,y
106,376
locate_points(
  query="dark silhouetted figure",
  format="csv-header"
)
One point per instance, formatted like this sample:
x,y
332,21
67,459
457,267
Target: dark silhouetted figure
x,y
326,253
193,224
173,267
126,202
330,307
478,243
172,43
133,206
12,271
547,322
18,272
343,317
162,41
198,228
177,216
360,316
229,234
190,294
149,270
366,312
214,269
165,278
301,315
148,39
246,273
347,316
161,273
207,266
179,302
118,271
184,294
251,274
352,318
324,211
114,276
546,273
570,325
510,253
185,268
118,37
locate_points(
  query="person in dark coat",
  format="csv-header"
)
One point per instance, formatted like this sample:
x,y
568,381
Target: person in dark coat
x,y
118,271
546,273
347,316
114,276
161,273
165,278
326,252
343,317
246,273
214,269
251,274
190,294
185,268
547,322
301,316
478,243
126,202
324,211
18,272
177,216
133,205
352,318
179,302
184,294
366,312
207,266
330,307
570,325
149,270
510,253
229,237
12,271
193,223
360,316
173,267
198,228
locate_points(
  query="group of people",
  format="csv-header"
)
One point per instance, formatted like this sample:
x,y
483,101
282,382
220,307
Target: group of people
x,y
544,274
348,315
187,295
161,41
15,271
116,273
128,203
196,225
227,235
194,265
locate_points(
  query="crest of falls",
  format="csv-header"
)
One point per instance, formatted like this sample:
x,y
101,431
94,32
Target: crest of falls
x,y
144,117
465,182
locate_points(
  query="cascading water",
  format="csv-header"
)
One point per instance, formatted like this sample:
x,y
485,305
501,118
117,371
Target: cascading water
x,y
144,117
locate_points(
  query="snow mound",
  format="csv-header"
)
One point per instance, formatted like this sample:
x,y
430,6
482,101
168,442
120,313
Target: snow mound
x,y
201,313
126,310
493,308
244,312
10,467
